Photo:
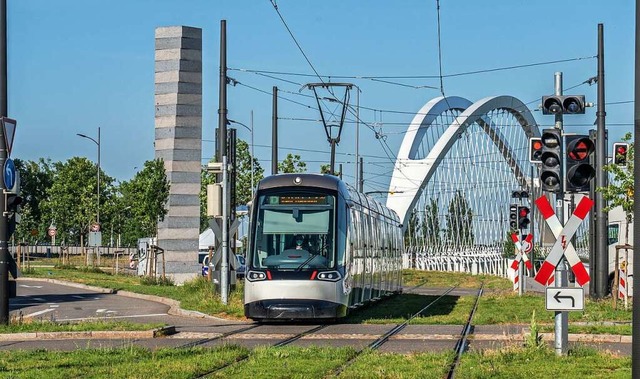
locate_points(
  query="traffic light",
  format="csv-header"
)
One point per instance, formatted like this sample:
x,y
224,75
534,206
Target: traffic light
x,y
12,201
572,104
551,160
579,170
513,216
535,149
523,217
620,150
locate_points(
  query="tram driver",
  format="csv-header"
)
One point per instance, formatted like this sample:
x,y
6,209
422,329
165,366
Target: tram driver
x,y
297,248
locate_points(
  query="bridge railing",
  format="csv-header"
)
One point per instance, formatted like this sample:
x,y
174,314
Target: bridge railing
x,y
474,260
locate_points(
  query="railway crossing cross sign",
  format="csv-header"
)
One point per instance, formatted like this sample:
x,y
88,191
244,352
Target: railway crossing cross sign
x,y
563,246
523,249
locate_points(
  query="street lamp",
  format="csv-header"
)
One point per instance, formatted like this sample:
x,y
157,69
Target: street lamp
x,y
251,130
98,191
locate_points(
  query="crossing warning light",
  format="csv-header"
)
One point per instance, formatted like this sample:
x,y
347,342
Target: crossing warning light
x,y
523,217
535,149
551,160
513,216
620,150
579,169
571,104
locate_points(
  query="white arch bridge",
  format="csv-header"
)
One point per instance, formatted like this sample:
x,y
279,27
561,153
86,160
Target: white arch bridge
x,y
453,180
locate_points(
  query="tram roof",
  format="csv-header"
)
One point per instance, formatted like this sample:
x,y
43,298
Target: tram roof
x,y
330,182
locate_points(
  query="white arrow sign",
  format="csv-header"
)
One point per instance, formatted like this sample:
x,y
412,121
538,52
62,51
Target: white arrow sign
x,y
565,299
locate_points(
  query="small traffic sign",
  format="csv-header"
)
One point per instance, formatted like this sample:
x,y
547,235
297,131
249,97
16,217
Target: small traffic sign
x,y
9,129
52,232
95,227
9,174
565,299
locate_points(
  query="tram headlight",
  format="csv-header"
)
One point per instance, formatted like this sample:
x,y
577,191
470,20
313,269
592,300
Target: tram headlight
x,y
256,276
329,276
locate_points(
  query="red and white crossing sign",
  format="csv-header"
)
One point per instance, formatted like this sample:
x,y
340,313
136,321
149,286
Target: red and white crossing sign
x,y
563,246
523,249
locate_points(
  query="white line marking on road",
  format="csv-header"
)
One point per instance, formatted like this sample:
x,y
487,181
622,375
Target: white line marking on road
x,y
28,286
54,305
100,310
111,317
38,299
39,312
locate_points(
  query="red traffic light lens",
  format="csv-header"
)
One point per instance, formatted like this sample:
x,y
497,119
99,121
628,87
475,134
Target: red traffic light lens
x,y
524,212
537,145
621,149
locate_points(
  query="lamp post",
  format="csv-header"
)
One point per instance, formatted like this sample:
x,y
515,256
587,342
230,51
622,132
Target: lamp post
x,y
251,130
98,190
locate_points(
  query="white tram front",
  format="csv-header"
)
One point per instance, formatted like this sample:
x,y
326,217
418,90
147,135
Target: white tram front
x,y
318,249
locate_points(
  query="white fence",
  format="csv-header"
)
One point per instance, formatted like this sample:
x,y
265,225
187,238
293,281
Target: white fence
x,y
475,261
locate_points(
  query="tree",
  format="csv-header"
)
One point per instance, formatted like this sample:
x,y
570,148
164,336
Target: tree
x,y
460,221
143,201
71,201
413,226
243,161
431,224
243,177
325,168
36,179
292,164
620,190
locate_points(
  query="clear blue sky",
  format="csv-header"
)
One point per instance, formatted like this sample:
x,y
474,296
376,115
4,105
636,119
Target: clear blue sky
x,y
75,65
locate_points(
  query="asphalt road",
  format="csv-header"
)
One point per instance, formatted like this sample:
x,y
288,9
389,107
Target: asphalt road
x,y
51,301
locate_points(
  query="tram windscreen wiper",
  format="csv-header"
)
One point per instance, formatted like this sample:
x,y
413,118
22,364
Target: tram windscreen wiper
x,y
311,256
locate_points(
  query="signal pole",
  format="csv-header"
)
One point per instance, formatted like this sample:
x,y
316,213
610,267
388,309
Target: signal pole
x,y
602,218
4,251
561,318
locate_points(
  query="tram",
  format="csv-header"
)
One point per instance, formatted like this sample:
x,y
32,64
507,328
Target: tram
x,y
318,249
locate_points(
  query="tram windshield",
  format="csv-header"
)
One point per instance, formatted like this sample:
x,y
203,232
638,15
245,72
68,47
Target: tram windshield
x,y
294,231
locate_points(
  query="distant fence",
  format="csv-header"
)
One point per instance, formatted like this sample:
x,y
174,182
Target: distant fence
x,y
473,261
57,251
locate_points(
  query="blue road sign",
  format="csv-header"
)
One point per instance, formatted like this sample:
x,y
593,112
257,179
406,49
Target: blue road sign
x,y
9,174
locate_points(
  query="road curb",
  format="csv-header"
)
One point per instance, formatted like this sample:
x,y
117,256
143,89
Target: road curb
x,y
70,284
98,334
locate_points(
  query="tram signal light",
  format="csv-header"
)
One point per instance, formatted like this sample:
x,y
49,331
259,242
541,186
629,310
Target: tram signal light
x,y
579,170
523,217
551,160
620,150
535,149
513,216
572,104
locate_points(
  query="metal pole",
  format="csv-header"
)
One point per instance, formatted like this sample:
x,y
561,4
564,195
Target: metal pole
x,y
361,184
98,211
252,158
593,284
561,319
602,218
332,165
274,132
222,108
533,222
635,340
4,251
224,266
357,137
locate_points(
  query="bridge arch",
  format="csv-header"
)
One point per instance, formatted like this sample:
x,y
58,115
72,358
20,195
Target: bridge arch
x,y
412,173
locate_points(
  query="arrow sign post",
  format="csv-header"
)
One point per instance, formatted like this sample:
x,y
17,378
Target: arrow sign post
x,y
565,299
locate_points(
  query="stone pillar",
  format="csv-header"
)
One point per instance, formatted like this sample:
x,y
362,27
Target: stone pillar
x,y
178,141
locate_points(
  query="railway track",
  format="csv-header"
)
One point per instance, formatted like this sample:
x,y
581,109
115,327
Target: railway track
x,y
385,337
461,345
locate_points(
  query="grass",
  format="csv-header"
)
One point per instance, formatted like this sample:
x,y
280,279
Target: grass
x,y
411,278
309,362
